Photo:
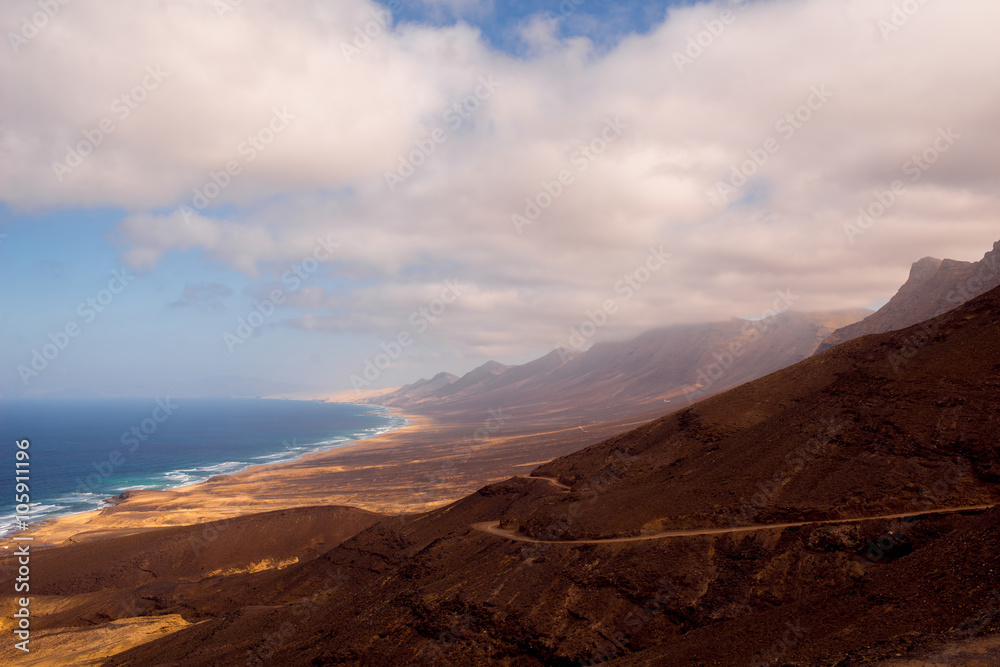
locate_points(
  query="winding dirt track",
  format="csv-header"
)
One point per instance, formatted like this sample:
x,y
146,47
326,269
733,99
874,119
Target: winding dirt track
x,y
493,527
551,480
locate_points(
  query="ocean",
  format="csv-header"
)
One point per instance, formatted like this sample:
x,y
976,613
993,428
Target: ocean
x,y
85,450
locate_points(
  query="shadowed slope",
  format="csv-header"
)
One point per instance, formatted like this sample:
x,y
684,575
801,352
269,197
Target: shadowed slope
x,y
863,433
860,429
191,553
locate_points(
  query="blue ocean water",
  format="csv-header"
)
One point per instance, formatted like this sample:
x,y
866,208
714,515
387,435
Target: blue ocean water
x,y
85,450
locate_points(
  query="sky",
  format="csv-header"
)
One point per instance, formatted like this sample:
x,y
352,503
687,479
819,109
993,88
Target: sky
x,y
218,197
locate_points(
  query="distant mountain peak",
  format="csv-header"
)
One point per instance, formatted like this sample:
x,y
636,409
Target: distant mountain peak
x,y
934,287
493,366
923,269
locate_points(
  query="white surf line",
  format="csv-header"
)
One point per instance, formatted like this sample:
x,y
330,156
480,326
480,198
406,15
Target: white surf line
x,y
493,527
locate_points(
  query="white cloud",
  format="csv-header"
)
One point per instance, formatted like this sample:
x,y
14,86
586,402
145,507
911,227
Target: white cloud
x,y
324,173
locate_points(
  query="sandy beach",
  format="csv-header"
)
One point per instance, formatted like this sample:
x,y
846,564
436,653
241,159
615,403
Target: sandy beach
x,y
430,461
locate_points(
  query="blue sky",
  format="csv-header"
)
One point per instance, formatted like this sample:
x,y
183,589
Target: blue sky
x,y
604,23
162,334
151,339
421,234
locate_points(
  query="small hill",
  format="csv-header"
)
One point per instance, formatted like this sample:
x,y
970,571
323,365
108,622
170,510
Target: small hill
x,y
191,553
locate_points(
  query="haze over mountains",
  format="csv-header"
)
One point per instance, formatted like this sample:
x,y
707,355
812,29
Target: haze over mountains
x,y
842,510
640,235
662,368
674,366
845,435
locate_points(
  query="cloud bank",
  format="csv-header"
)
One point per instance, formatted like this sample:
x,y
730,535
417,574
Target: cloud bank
x,y
763,145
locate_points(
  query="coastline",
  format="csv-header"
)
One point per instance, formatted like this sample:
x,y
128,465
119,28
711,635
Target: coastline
x,y
427,463
99,521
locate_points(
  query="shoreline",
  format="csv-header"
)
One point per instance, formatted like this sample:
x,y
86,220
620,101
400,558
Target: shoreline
x,y
298,457
52,531
430,461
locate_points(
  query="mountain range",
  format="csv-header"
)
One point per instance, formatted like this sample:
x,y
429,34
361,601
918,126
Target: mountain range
x,y
840,511
662,368
675,366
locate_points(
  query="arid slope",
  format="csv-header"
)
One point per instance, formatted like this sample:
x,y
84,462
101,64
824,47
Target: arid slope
x,y
893,422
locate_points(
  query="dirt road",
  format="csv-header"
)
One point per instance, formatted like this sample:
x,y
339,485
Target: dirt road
x,y
493,527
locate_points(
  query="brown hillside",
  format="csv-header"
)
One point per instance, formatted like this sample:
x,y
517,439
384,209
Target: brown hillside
x,y
913,428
